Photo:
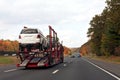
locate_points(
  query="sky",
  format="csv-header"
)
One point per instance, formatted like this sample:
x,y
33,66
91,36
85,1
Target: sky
x,y
69,18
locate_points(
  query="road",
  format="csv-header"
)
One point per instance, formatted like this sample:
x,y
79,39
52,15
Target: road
x,y
72,69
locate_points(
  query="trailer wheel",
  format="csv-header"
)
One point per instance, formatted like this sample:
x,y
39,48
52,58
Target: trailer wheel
x,y
62,60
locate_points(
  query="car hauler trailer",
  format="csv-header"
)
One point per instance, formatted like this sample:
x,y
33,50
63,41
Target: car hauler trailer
x,y
42,58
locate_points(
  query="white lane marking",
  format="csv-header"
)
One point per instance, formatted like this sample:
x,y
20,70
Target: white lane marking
x,y
103,70
65,65
10,70
54,72
70,61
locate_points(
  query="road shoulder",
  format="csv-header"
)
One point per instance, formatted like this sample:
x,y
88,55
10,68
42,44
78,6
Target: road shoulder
x,y
111,67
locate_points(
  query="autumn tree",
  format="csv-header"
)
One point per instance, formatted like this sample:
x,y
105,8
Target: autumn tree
x,y
8,46
111,36
95,32
104,31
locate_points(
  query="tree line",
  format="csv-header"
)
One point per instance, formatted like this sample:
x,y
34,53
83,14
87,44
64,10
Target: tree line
x,y
104,31
7,46
10,47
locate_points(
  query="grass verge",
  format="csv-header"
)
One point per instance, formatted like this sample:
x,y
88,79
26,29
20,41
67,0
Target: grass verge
x,y
111,59
6,60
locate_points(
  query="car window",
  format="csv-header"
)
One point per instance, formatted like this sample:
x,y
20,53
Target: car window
x,y
29,31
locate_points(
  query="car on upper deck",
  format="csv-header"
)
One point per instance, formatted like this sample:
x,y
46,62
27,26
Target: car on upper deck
x,y
32,38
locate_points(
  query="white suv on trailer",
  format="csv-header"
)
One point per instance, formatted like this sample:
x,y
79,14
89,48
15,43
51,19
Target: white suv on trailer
x,y
32,38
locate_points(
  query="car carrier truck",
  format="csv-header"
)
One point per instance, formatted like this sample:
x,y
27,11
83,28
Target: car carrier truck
x,y
33,57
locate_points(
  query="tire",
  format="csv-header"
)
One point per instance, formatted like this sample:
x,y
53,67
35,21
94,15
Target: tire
x,y
62,60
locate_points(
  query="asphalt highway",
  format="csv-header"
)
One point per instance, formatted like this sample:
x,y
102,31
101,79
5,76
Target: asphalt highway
x,y
73,68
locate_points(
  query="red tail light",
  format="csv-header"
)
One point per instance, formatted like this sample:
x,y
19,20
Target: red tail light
x,y
19,37
38,36
17,65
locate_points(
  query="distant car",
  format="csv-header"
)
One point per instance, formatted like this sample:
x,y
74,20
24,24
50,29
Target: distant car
x,y
79,56
72,56
32,38
6,54
13,54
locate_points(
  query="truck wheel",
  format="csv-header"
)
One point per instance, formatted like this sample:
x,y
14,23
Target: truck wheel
x,y
62,60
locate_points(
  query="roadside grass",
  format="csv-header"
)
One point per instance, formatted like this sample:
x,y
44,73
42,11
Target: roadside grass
x,y
6,60
111,59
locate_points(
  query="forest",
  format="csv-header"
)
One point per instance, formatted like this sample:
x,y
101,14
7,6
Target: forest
x,y
8,46
11,47
104,31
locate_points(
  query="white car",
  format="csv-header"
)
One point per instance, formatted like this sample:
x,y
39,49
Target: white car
x,y
32,38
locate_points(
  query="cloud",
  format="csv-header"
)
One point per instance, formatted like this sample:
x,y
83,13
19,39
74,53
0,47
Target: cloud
x,y
42,12
59,9
66,16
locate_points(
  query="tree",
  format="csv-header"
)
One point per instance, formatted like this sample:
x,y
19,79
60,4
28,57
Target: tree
x,y
8,46
111,37
95,32
105,30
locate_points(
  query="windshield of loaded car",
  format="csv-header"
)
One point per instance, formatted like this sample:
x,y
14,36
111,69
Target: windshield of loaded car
x,y
29,31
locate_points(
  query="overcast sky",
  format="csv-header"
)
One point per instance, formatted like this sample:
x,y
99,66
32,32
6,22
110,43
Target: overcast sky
x,y
69,18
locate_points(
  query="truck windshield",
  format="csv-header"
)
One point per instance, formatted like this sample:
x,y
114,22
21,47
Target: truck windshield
x,y
29,31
